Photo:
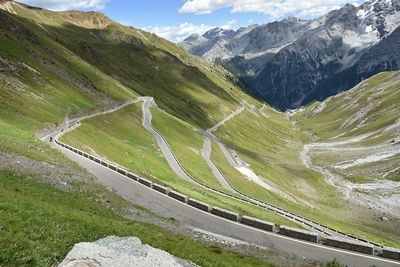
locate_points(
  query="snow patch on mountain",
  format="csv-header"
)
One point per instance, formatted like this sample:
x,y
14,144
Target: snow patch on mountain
x,y
259,40
249,42
291,62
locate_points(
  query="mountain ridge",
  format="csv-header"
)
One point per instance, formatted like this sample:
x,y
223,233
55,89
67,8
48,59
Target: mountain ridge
x,y
287,61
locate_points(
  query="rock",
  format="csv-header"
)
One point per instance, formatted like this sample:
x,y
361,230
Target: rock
x,y
119,251
384,219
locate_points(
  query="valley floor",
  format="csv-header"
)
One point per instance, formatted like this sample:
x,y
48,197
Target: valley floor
x,y
342,162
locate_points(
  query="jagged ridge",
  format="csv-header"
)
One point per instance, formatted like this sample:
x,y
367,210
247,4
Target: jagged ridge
x,y
291,62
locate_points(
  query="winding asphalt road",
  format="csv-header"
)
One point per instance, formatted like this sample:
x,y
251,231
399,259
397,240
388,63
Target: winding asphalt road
x,y
206,153
193,217
235,161
148,103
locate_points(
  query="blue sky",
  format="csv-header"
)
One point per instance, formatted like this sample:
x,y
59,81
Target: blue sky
x,y
177,19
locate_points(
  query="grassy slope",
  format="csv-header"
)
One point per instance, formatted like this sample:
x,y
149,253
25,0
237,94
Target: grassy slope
x,y
181,84
40,224
48,72
110,134
187,145
271,144
122,131
372,107
62,78
199,92
34,94
381,91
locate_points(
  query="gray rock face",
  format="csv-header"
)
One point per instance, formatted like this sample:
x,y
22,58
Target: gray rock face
x,y
116,251
384,56
293,61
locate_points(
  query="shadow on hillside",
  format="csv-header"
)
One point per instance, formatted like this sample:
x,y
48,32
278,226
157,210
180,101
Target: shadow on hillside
x,y
182,90
148,70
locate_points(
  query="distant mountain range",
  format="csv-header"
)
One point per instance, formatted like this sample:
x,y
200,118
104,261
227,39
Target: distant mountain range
x,y
292,62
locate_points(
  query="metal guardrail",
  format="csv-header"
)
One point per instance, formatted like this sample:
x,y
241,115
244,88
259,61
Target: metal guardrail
x,y
245,220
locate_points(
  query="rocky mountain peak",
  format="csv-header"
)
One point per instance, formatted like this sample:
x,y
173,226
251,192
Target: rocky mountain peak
x,y
286,61
217,32
193,37
291,19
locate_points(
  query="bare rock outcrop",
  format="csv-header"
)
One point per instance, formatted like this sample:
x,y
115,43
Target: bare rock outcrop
x,y
120,251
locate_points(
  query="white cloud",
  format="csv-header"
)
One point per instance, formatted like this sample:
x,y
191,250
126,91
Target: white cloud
x,y
179,32
205,6
230,24
66,4
273,8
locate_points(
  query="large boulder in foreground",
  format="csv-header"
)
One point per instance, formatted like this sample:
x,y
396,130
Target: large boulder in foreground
x,y
119,251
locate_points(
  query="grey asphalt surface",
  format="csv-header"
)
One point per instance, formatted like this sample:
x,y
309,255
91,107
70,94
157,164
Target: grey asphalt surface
x,y
168,207
233,158
235,161
206,153
148,103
